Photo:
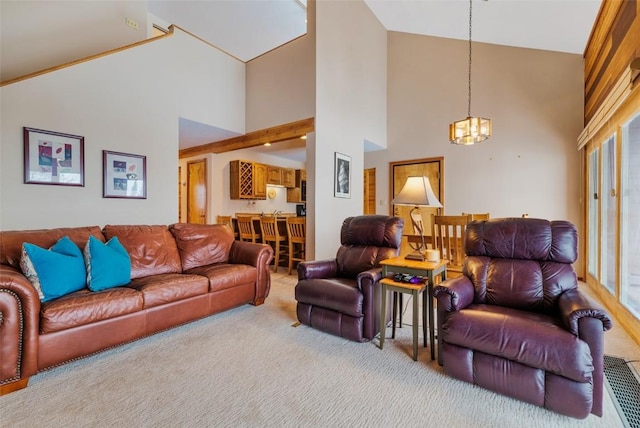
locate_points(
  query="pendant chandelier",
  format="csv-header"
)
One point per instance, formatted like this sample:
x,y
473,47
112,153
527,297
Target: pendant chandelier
x,y
472,129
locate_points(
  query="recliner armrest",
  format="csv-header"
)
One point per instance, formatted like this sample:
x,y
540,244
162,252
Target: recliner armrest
x,y
369,277
574,305
454,294
318,269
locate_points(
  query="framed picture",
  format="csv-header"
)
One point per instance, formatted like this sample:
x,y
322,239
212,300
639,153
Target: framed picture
x,y
342,176
125,175
53,158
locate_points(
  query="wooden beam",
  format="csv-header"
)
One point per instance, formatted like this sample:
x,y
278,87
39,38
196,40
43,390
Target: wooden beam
x,y
285,132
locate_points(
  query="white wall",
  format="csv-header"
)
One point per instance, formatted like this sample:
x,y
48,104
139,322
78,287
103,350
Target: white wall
x,y
351,79
127,102
535,100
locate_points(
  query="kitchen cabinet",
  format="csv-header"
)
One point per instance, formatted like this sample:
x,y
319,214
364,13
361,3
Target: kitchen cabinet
x,y
299,193
259,181
274,175
248,180
288,176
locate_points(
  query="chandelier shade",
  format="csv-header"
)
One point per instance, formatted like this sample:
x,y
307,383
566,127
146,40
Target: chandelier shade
x,y
471,130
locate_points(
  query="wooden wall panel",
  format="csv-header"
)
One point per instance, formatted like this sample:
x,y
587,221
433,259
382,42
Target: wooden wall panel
x,y
613,44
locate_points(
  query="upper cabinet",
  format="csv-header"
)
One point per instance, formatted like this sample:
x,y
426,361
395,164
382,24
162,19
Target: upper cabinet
x,y
288,177
274,175
248,180
259,181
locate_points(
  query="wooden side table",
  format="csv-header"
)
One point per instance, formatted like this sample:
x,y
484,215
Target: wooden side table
x,y
418,268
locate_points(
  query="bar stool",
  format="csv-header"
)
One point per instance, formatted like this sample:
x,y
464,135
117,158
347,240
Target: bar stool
x,y
271,235
296,229
246,229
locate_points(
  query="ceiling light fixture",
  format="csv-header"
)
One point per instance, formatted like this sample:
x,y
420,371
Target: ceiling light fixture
x,y
267,144
472,129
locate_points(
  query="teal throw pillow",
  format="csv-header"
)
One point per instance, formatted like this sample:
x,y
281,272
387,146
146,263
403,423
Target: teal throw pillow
x,y
54,272
108,264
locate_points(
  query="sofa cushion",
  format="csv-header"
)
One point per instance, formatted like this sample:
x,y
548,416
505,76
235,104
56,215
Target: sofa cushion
x,y
85,307
530,338
152,249
54,272
11,241
108,264
338,294
169,287
222,275
202,244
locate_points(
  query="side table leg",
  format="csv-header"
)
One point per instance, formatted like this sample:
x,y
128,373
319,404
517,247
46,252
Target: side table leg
x,y
425,297
383,315
432,340
394,315
416,298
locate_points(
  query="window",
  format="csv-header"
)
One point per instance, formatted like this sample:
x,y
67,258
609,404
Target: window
x,y
608,216
594,218
630,213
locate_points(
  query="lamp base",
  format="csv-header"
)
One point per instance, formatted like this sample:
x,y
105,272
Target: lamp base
x,y
416,255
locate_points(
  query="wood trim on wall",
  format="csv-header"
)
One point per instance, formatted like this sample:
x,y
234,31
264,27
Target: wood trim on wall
x,y
614,43
86,59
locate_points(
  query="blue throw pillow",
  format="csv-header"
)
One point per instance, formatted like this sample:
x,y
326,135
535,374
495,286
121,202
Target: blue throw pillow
x,y
54,272
108,265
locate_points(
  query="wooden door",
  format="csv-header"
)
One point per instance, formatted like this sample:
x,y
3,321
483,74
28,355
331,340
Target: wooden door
x,y
433,169
197,191
369,202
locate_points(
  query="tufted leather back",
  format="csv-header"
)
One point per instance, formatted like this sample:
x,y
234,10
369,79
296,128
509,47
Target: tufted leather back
x,y
521,263
366,240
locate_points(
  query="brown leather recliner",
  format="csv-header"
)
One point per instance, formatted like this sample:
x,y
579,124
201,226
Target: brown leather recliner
x,y
342,296
516,323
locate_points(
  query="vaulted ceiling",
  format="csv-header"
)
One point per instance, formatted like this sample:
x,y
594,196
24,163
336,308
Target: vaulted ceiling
x,y
38,34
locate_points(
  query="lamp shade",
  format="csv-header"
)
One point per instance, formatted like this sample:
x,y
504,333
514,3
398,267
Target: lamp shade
x,y
417,192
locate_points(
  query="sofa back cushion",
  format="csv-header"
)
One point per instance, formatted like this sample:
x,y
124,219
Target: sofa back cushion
x,y
152,249
202,244
366,240
11,241
520,262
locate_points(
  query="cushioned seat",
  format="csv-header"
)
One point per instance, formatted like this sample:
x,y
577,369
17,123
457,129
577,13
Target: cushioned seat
x,y
218,275
169,287
86,307
342,296
515,321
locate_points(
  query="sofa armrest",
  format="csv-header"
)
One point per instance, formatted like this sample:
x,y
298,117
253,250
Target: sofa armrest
x,y
19,326
454,294
318,269
258,255
574,305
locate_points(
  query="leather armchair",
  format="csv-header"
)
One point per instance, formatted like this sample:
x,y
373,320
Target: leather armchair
x,y
516,323
342,296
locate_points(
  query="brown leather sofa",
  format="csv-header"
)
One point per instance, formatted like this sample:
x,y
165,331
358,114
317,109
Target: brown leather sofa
x,y
516,323
179,273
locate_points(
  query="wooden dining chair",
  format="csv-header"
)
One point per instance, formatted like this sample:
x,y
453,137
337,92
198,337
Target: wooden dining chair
x,y
478,216
246,229
271,235
226,219
448,238
296,229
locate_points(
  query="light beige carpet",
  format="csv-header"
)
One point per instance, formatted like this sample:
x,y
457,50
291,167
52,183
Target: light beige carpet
x,y
249,367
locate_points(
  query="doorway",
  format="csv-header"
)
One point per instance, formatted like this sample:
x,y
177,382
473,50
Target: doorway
x,y
197,191
369,202
433,169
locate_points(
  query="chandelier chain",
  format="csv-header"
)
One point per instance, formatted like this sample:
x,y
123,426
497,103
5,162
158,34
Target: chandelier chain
x,y
469,104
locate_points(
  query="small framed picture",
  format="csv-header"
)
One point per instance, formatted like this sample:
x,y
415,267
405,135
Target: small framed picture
x,y
342,176
125,175
53,158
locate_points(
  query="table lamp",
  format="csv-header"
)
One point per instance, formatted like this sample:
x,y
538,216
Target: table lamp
x,y
417,193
